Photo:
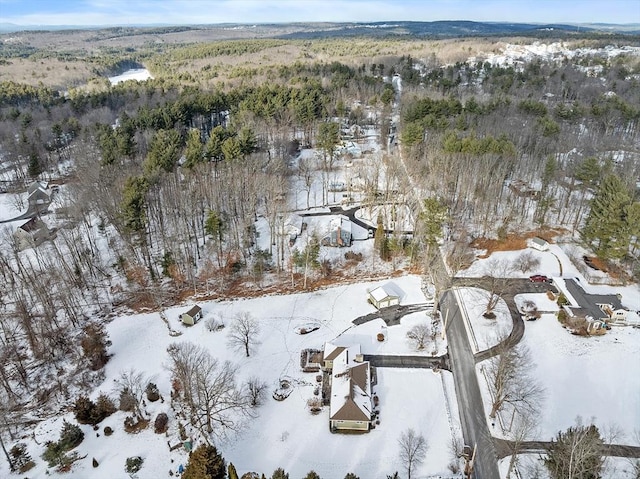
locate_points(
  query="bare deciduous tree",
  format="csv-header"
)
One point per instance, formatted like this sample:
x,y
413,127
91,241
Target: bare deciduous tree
x,y
498,279
208,388
510,381
255,390
523,427
413,449
526,261
418,335
243,333
131,386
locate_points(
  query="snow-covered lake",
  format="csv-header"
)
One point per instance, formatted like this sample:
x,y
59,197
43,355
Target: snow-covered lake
x,y
138,74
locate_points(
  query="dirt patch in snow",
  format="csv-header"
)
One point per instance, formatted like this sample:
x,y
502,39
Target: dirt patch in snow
x,y
513,242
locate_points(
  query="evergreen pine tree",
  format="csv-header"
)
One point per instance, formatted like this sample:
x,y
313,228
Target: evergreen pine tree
x,y
35,166
205,463
607,225
279,474
233,474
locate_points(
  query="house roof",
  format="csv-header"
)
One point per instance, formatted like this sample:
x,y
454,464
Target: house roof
x,y
331,351
539,241
33,225
388,290
350,387
590,303
36,185
341,222
193,311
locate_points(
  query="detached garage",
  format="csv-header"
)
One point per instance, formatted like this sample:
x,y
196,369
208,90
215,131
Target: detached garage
x,y
385,296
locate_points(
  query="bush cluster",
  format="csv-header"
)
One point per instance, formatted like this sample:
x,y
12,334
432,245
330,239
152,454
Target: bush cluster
x,y
70,437
88,412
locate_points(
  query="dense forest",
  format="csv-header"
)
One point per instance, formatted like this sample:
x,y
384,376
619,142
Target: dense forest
x,y
164,180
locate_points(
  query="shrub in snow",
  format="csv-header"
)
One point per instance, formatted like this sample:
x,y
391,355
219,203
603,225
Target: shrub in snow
x,y
133,464
351,475
82,409
70,436
94,346
152,392
127,401
161,423
108,431
88,412
55,452
133,425
20,459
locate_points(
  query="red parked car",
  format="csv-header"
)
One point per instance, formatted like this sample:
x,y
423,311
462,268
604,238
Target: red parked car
x,y
538,278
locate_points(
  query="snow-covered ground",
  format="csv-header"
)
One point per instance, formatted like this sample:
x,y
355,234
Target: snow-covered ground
x,y
284,434
595,378
483,332
513,54
12,205
138,74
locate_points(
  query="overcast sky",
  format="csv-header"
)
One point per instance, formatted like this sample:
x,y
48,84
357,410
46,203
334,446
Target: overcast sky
x,y
124,12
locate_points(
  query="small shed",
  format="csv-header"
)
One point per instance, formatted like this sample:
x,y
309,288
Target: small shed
x,y
384,296
192,316
539,244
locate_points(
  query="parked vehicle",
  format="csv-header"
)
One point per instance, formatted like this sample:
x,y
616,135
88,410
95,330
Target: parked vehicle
x,y
538,278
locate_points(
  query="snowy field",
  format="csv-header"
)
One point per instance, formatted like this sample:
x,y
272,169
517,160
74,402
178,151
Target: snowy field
x,y
138,74
284,434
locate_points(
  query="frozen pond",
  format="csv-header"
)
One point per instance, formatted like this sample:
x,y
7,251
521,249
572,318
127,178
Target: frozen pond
x,y
138,74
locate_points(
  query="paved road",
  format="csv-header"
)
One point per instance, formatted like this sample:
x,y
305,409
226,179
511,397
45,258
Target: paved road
x,y
474,425
505,448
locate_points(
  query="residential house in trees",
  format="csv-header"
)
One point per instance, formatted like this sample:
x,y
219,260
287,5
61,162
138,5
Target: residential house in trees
x,y
350,402
192,316
32,233
339,232
38,197
605,308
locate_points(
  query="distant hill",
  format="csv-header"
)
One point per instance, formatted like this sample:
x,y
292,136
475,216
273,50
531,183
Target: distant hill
x,y
449,28
459,28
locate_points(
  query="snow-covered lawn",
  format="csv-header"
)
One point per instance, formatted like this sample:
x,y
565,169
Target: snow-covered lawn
x,y
483,332
284,434
592,377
